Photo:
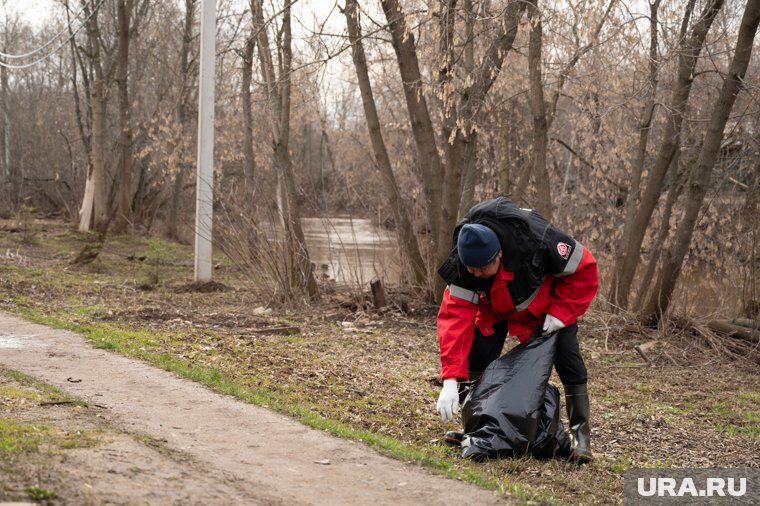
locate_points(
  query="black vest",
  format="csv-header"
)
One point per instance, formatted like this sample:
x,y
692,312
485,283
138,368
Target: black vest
x,y
521,233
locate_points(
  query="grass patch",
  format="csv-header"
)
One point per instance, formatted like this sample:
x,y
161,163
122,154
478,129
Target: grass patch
x,y
19,439
39,494
751,397
32,389
617,465
752,429
9,392
741,413
23,439
138,343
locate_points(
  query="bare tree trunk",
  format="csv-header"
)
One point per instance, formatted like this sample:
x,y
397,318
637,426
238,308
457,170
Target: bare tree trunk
x,y
249,159
5,163
521,188
469,180
543,118
84,122
452,134
470,175
675,186
699,179
505,155
8,174
278,91
100,184
98,204
325,143
423,132
124,213
407,238
303,275
86,212
628,254
751,232
645,125
459,113
538,110
184,76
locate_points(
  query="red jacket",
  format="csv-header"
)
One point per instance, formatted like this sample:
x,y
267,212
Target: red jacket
x,y
543,269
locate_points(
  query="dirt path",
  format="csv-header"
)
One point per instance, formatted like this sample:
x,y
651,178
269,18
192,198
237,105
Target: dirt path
x,y
244,453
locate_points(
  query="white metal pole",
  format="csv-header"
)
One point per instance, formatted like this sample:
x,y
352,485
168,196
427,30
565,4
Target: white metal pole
x,y
204,186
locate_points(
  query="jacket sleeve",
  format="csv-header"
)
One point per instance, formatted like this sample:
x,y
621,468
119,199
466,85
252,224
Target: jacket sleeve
x,y
456,328
575,285
575,273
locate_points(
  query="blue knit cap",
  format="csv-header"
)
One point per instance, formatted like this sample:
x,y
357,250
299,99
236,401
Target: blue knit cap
x,y
477,245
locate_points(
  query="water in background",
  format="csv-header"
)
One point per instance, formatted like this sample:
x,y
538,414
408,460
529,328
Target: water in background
x,y
351,251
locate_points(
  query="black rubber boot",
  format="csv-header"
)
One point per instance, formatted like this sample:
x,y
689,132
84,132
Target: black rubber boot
x,y
576,398
453,438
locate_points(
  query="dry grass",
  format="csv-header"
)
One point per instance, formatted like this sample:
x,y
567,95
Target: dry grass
x,y
692,406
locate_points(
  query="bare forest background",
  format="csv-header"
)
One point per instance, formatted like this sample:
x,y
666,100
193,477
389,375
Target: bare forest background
x,y
633,125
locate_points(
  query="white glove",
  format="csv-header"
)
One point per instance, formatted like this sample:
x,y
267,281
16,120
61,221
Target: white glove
x,y
552,324
448,400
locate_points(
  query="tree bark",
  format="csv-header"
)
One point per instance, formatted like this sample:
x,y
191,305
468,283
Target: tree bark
x,y
505,153
645,125
459,114
628,254
96,212
181,115
278,91
84,123
407,237
699,179
675,186
470,177
428,157
378,294
325,143
249,159
746,323
538,112
99,177
733,330
98,105
543,116
124,213
8,171
750,230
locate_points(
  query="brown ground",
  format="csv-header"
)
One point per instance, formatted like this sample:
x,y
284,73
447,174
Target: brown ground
x,y
377,371
91,459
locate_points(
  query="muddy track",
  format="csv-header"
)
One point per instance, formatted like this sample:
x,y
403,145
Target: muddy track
x,y
263,457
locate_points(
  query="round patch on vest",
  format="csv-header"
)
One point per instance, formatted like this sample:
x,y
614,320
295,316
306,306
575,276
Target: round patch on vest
x,y
563,250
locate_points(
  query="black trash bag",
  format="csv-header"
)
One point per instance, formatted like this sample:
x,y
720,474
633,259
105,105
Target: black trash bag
x,y
512,409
